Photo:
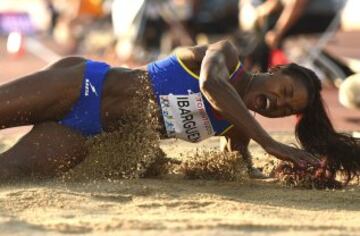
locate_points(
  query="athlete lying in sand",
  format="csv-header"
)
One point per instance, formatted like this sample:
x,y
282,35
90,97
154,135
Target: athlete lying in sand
x,y
201,91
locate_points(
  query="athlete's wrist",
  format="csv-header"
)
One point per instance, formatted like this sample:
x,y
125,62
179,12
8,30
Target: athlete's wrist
x,y
267,142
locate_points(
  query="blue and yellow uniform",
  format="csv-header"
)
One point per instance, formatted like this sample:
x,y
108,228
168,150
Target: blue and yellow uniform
x,y
187,114
85,115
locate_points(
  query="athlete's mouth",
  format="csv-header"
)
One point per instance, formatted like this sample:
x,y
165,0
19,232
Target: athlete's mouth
x,y
263,103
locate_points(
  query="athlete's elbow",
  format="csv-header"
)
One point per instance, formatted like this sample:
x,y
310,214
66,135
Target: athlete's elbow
x,y
209,86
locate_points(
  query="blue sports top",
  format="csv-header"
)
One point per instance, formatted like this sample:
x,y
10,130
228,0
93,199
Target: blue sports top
x,y
186,112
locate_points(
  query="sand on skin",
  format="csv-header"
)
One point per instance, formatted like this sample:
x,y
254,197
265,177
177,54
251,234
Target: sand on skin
x,y
174,205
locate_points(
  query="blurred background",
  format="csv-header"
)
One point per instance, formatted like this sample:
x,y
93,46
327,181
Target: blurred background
x,y
323,35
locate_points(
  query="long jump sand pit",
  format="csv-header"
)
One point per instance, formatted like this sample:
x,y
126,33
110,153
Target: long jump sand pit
x,y
172,205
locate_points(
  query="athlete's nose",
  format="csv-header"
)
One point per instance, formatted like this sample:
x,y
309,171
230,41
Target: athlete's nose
x,y
284,102
280,102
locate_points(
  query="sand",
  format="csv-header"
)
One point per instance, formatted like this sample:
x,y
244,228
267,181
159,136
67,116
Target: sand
x,y
172,205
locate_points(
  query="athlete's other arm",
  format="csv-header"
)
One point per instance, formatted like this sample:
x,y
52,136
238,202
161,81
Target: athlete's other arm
x,y
234,141
219,59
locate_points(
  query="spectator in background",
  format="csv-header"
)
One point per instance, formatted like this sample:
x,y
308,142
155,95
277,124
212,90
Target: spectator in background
x,y
278,19
349,95
296,17
349,92
74,15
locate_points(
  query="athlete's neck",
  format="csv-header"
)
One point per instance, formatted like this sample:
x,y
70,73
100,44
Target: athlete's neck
x,y
242,84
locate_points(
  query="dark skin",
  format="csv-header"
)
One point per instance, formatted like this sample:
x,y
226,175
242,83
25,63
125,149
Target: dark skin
x,y
43,98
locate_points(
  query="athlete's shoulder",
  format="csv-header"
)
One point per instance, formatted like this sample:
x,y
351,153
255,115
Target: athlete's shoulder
x,y
191,57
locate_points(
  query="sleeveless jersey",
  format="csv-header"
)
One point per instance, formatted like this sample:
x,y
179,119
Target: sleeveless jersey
x,y
186,112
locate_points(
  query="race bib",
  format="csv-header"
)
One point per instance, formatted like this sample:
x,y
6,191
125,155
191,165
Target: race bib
x,y
185,117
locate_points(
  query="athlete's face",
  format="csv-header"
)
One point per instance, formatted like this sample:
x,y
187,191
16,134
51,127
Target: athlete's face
x,y
276,95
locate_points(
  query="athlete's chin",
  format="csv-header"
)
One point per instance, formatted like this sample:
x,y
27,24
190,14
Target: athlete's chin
x,y
250,104
253,107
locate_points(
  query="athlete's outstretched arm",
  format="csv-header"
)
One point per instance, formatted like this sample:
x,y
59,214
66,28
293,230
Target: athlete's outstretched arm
x,y
219,59
235,141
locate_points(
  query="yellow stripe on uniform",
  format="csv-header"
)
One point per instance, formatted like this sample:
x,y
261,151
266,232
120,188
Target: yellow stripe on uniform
x,y
197,76
236,68
226,130
187,69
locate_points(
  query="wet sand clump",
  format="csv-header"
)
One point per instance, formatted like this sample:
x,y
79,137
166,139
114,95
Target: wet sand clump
x,y
214,165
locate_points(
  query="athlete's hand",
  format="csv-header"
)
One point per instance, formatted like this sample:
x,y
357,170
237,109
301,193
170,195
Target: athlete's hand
x,y
297,156
272,39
